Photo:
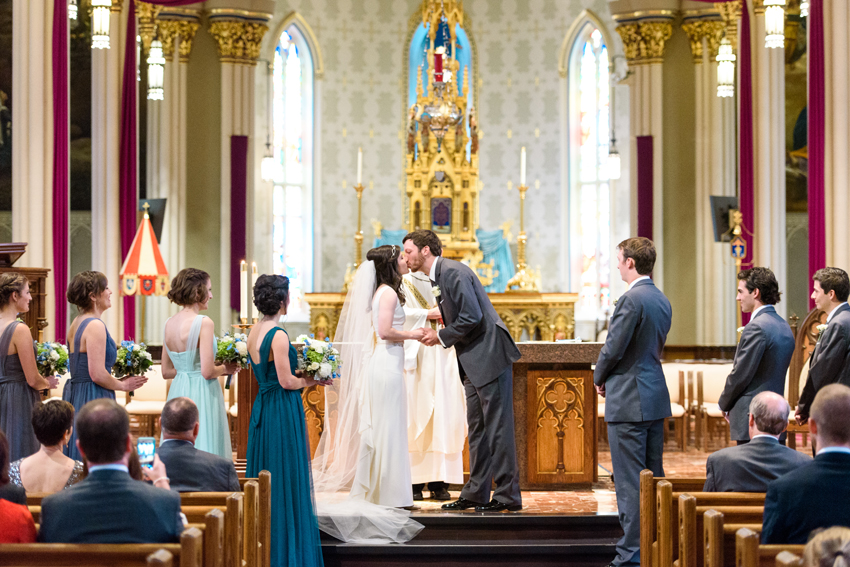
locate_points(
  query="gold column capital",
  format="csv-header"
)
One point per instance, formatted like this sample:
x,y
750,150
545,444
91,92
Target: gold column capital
x,y
644,42
116,5
167,32
758,6
238,41
729,13
187,31
147,14
710,30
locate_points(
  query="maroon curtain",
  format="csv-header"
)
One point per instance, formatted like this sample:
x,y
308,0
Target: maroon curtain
x,y
746,165
817,141
644,186
61,173
238,212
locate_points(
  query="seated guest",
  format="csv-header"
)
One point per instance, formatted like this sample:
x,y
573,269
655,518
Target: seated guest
x,y
750,467
827,547
815,495
189,468
108,506
8,490
49,470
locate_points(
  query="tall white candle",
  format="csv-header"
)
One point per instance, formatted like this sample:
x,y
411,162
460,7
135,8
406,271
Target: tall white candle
x,y
522,167
359,165
243,290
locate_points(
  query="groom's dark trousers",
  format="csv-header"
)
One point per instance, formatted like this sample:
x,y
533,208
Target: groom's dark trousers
x,y
486,353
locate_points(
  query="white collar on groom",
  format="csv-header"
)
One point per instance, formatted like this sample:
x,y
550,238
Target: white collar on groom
x,y
433,273
634,283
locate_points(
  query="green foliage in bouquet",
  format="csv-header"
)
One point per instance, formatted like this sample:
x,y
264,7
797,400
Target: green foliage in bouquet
x,y
232,348
51,358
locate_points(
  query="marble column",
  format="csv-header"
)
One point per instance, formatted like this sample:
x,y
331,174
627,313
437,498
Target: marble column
x,y
167,151
643,44
768,71
715,174
238,43
107,65
836,22
31,103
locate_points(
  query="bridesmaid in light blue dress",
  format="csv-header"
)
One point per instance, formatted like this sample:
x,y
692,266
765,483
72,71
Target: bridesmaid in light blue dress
x,y
188,356
93,351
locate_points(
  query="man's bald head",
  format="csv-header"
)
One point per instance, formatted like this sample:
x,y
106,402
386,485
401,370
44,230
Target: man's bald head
x,y
831,416
179,416
102,431
770,413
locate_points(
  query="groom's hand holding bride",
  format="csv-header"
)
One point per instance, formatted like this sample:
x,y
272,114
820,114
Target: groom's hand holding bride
x,y
430,337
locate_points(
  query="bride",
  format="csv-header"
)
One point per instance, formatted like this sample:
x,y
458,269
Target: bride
x,y
361,469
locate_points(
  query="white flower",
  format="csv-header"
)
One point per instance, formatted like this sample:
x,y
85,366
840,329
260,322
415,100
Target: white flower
x,y
147,355
242,337
740,330
334,352
241,348
325,370
821,328
301,338
318,347
54,355
227,339
314,366
436,291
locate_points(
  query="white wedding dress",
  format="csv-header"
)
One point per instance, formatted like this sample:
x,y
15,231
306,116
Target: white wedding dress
x,y
383,464
361,468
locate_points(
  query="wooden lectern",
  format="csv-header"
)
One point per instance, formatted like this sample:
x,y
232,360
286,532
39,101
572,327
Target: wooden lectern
x,y
36,317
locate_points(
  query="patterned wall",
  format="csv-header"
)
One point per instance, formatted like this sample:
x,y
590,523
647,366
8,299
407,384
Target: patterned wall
x,y
362,100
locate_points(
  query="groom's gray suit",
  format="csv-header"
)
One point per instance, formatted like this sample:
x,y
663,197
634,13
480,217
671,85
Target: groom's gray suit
x,y
636,400
486,353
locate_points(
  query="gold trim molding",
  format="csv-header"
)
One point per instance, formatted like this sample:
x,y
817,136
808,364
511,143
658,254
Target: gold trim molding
x,y
643,43
116,6
644,15
236,13
710,30
238,41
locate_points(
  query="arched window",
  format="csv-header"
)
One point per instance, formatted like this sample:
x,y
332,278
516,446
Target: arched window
x,y
589,194
292,138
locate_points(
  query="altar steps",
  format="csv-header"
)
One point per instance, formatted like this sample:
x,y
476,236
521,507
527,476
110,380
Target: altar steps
x,y
471,539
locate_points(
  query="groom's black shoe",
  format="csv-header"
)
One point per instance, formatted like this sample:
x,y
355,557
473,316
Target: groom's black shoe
x,y
441,494
496,506
460,504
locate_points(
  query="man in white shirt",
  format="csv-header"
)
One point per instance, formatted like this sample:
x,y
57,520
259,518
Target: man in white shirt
x,y
830,361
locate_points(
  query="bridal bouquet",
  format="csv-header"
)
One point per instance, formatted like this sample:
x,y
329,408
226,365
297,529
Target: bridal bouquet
x,y
51,358
318,359
133,360
232,348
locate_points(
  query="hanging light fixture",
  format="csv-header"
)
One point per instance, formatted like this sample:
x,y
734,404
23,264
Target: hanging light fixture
x,y
268,165
100,23
270,169
613,159
725,69
156,71
72,9
804,8
774,23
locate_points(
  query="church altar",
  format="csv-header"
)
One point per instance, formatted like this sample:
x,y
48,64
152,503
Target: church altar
x,y
554,414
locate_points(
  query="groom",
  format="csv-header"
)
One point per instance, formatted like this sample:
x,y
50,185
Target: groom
x,y
485,354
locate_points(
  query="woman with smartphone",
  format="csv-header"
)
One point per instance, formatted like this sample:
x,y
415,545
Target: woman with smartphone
x,y
188,356
92,352
20,381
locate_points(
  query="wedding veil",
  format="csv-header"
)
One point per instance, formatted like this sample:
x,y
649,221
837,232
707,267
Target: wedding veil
x,y
335,461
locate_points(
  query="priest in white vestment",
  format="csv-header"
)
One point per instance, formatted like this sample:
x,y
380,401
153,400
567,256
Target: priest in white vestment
x,y
436,422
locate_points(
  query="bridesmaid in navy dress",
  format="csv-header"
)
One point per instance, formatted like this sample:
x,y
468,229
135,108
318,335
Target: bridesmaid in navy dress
x,y
277,437
19,378
92,350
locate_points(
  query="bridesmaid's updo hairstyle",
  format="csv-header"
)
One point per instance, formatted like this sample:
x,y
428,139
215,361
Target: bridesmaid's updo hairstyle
x,y
386,267
269,292
10,282
189,287
83,286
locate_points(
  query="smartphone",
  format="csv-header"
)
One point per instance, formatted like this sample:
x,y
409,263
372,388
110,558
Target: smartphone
x,y
146,447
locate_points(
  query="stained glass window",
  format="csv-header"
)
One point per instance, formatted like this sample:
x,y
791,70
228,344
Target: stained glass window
x,y
292,126
590,194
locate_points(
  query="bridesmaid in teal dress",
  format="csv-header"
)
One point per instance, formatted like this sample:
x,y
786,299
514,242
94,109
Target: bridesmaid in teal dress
x,y
277,437
92,352
188,357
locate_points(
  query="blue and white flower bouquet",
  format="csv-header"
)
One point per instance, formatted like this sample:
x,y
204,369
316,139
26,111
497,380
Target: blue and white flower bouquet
x,y
133,360
318,360
51,359
232,347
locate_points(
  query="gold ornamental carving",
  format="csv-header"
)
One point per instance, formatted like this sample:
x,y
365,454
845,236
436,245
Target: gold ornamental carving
x,y
186,31
730,12
643,43
167,32
238,41
147,14
710,30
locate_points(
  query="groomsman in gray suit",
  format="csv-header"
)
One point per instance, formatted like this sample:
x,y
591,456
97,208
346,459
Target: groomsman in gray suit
x,y
830,361
751,467
764,351
485,354
628,375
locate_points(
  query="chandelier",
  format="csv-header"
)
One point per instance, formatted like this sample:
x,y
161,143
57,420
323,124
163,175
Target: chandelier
x,y
725,69
774,23
72,9
156,71
100,23
804,8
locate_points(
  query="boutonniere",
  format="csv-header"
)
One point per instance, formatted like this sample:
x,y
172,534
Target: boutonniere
x,y
740,330
616,301
436,291
821,329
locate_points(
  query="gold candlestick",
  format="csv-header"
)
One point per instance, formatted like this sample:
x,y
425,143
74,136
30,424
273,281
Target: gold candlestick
x,y
358,241
525,278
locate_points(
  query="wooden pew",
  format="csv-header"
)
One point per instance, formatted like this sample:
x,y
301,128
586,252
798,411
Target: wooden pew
x,y
188,553
691,509
748,552
648,508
